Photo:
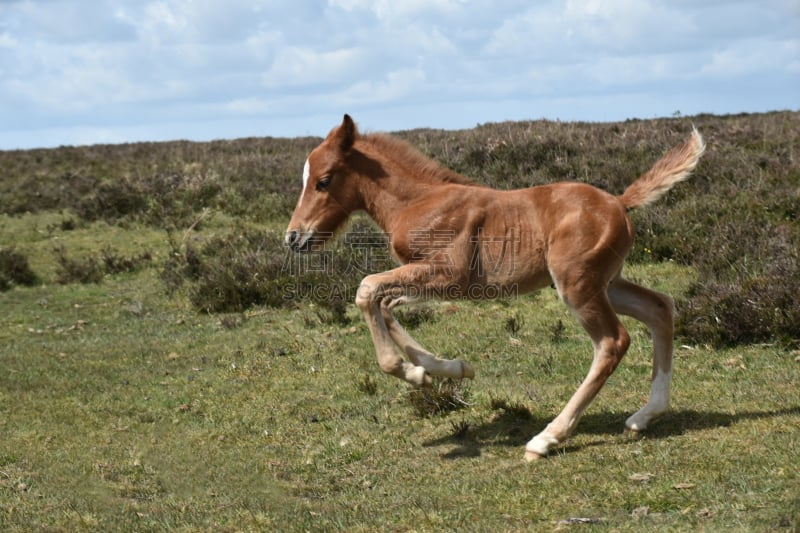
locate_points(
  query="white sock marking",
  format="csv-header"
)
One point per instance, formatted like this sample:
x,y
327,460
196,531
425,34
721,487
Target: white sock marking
x,y
542,443
658,403
659,390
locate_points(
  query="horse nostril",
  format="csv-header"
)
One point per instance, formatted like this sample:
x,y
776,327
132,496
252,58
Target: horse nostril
x,y
291,238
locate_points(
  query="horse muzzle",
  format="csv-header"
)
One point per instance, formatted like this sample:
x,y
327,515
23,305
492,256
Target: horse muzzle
x,y
298,240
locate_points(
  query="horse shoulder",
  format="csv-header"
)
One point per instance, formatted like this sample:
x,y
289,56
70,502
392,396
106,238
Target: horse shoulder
x,y
438,221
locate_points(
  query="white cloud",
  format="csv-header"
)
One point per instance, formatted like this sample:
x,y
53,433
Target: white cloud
x,y
250,106
751,57
538,33
579,30
196,21
393,87
628,25
262,43
296,66
179,67
7,40
161,22
397,11
66,22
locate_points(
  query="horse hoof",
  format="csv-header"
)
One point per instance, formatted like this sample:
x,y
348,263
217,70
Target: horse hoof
x,y
418,377
532,456
634,426
467,371
633,433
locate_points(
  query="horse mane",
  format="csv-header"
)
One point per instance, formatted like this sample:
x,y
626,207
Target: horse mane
x,y
417,164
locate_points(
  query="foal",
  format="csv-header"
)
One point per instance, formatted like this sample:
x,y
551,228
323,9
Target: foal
x,y
457,239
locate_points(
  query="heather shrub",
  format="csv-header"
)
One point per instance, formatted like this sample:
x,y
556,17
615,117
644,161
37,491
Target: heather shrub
x,y
92,269
115,263
34,192
15,270
238,271
253,267
111,201
732,220
737,306
443,397
161,184
77,270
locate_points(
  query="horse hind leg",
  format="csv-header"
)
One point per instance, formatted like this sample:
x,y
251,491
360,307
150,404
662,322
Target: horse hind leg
x,y
610,340
656,311
455,369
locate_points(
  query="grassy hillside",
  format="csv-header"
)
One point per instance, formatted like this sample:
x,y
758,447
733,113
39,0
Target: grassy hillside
x,y
735,221
165,365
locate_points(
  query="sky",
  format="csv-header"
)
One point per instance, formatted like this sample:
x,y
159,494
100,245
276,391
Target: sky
x,y
113,71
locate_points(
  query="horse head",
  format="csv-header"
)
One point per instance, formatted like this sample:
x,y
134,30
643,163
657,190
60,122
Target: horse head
x,y
329,193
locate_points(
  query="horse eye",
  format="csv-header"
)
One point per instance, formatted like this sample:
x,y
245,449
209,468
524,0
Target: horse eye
x,y
324,183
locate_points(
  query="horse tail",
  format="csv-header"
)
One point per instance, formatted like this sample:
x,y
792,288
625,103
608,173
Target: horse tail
x,y
675,166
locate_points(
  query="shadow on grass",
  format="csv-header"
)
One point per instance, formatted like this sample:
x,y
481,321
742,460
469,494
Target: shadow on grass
x,y
514,428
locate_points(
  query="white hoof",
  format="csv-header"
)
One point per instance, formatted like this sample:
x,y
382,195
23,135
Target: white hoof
x,y
419,377
636,424
539,446
532,456
642,418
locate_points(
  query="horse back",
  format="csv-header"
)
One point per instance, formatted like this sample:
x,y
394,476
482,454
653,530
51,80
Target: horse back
x,y
483,236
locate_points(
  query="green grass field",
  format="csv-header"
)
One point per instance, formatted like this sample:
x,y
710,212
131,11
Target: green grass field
x,y
124,409
126,406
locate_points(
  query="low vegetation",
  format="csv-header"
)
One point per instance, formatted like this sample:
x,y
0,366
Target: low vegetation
x,y
15,270
735,221
167,365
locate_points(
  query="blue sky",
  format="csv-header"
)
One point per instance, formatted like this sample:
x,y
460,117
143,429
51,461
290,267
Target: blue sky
x,y
111,71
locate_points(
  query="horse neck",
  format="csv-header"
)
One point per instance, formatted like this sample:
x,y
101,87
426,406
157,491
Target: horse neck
x,y
386,193
390,180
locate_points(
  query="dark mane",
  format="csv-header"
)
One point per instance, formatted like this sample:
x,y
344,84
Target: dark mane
x,y
417,163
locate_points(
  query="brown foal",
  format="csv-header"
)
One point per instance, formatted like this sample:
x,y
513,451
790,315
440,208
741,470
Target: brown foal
x,y
457,239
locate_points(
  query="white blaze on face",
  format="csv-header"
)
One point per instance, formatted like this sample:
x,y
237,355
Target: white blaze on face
x,y
306,172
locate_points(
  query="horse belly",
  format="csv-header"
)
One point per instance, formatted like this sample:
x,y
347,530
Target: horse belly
x,y
513,263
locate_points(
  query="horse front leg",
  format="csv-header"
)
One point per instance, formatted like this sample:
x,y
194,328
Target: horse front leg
x,y
454,369
388,359
376,297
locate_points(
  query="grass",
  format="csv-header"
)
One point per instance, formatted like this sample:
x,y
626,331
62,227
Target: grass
x,y
126,406
122,408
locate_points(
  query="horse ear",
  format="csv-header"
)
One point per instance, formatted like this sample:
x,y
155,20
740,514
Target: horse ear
x,y
347,134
